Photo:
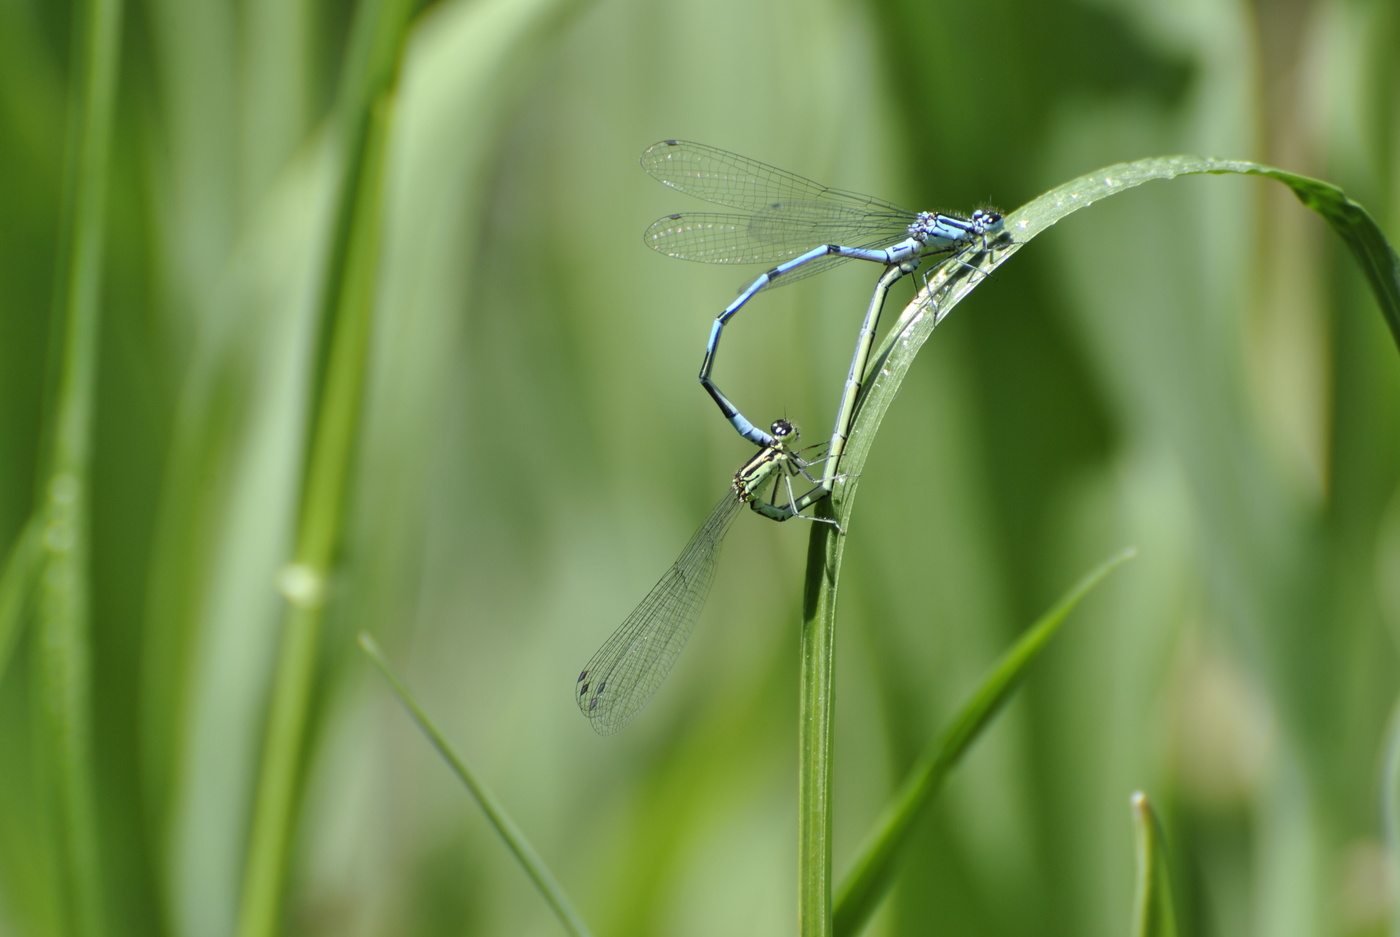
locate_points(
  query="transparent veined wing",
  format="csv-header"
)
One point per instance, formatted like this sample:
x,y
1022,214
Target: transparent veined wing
x,y
627,670
734,181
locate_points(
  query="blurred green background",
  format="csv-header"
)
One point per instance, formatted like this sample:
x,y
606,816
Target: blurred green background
x,y
1195,368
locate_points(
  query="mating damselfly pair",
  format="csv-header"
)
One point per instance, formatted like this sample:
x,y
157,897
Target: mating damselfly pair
x,y
802,228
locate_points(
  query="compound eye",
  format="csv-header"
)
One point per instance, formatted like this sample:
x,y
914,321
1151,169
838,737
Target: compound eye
x,y
782,428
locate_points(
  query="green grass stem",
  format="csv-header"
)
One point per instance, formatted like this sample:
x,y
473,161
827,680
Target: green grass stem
x,y
336,414
1152,911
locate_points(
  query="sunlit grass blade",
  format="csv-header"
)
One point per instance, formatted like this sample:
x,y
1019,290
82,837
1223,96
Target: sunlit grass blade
x,y
1152,914
525,854
1350,220
952,282
877,861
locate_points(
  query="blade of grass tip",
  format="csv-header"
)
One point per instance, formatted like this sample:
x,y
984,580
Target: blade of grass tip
x,y
515,840
875,866
1353,224
1152,916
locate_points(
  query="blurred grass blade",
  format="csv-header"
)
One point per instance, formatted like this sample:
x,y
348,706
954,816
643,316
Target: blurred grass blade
x,y
55,547
346,300
1390,806
17,579
1152,916
346,317
524,853
875,866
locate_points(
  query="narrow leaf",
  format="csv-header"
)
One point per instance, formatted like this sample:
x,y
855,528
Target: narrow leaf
x,y
525,854
877,860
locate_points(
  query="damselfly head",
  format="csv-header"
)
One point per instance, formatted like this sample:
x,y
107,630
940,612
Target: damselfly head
x,y
986,221
784,432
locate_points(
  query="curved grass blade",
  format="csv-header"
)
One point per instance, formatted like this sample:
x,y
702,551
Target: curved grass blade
x,y
951,282
948,285
525,854
876,863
